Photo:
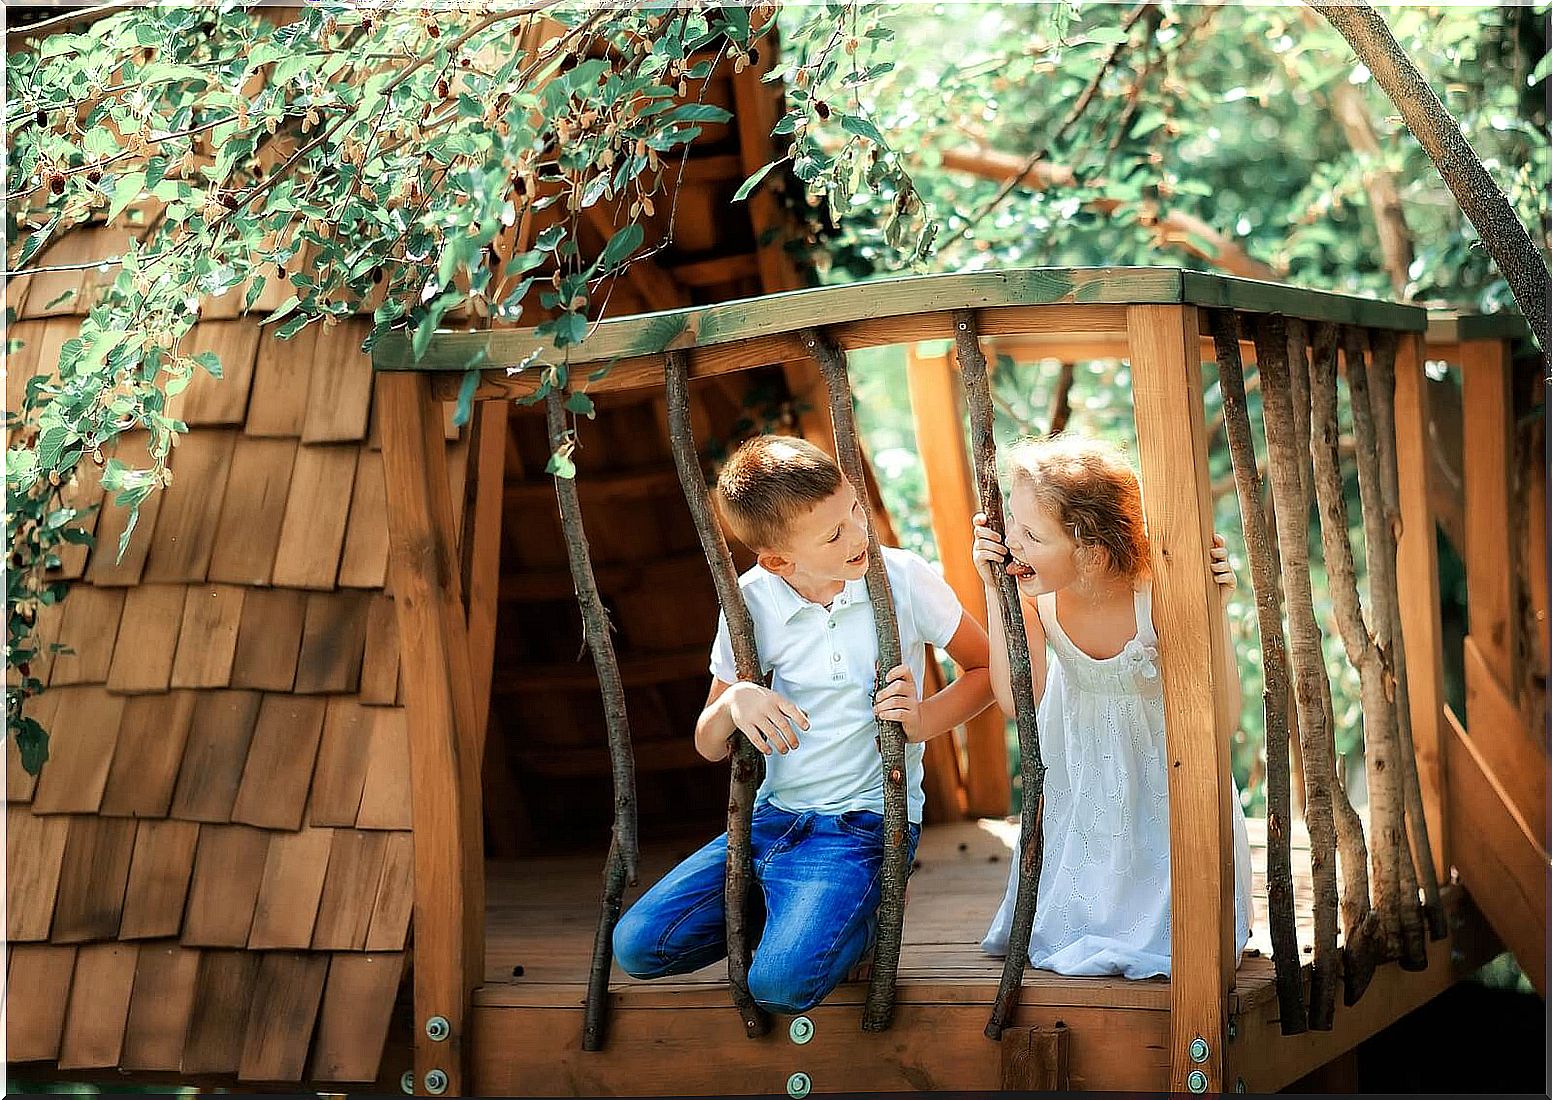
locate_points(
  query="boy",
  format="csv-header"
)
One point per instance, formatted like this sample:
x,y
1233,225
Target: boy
x,y
817,837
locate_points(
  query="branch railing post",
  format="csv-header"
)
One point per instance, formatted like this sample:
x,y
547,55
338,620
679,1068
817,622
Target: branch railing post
x,y
878,1010
620,867
745,758
972,372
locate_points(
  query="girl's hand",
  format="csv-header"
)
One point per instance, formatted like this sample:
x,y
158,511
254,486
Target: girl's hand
x,y
897,701
1222,571
989,553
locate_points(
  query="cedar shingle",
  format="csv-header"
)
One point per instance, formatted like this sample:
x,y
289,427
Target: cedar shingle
x,y
34,1022
385,795
221,400
316,512
223,993
380,661
333,641
160,1007
341,385
84,731
395,897
99,1004
106,568
158,879
152,734
55,293
148,639
92,878
357,1007
255,504
228,867
89,625
349,890
186,526
269,639
35,848
273,792
291,889
342,760
207,640
45,632
364,563
84,494
281,380
19,785
213,760
285,1008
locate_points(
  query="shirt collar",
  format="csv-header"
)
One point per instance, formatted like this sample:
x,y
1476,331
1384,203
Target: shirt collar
x,y
789,603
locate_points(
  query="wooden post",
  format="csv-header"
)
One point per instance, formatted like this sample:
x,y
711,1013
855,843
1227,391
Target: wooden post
x,y
1487,399
449,912
1165,351
482,549
936,406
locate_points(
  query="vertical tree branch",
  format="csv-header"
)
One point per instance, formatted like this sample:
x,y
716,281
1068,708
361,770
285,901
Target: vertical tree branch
x,y
1342,577
745,758
1380,556
1382,396
621,864
972,371
1060,411
1271,342
879,1008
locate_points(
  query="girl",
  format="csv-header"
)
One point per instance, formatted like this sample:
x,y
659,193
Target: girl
x,y
1077,549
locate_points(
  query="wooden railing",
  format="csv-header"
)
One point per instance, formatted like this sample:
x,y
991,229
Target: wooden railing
x,y
1159,320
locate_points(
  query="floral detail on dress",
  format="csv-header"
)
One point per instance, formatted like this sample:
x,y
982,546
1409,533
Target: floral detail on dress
x,y
1141,658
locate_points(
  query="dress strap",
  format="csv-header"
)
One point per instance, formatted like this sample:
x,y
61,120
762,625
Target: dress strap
x,y
1142,601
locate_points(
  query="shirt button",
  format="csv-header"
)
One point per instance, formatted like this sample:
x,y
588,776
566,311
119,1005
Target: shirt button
x,y
832,624
835,656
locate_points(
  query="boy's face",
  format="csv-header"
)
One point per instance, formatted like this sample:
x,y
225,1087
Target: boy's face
x,y
1044,554
827,543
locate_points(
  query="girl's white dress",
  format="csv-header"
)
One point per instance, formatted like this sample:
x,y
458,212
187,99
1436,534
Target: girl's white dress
x,y
1103,906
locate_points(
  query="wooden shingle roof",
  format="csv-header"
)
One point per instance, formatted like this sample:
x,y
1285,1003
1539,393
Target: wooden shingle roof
x,y
212,874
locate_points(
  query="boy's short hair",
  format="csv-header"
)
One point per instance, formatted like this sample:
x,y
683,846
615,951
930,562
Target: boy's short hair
x,y
769,482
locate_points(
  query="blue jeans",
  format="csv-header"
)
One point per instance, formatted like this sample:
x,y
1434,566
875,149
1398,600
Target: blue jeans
x,y
819,881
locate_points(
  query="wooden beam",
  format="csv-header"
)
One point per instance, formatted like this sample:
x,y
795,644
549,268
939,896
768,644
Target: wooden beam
x,y
716,269
1487,397
482,549
937,416
1172,445
653,285
1507,750
1417,574
438,691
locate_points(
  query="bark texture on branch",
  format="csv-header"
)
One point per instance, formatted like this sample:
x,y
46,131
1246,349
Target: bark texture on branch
x,y
1389,815
972,372
621,865
1060,409
1439,134
1271,342
744,757
878,1010
1352,114
1362,951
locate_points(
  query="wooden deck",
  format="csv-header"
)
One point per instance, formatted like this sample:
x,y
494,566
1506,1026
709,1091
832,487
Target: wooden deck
x,y
682,1035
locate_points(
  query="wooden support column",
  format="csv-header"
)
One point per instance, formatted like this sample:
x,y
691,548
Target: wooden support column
x,y
937,416
1417,576
449,911
482,549
1487,399
1165,351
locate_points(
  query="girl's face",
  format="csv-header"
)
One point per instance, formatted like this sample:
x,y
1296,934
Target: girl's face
x,y
1044,555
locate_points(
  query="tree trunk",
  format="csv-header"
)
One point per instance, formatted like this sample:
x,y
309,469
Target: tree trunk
x,y
1060,410
1439,134
878,1011
745,758
1352,114
1271,341
621,866
972,372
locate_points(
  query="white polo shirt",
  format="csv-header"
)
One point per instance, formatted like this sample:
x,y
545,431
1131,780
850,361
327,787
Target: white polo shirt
x,y
823,660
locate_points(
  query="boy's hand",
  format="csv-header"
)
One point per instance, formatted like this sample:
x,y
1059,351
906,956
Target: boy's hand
x,y
1222,571
897,701
768,720
989,553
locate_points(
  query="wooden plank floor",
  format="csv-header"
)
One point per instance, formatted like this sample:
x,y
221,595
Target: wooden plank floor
x,y
542,913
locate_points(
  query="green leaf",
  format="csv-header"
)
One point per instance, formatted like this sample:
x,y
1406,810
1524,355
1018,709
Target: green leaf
x,y
210,362
753,181
863,128
561,466
125,191
51,444
1111,35
620,246
32,742
255,288
284,308
700,112
581,404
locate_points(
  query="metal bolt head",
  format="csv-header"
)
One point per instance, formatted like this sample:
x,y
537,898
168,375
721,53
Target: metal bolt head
x,y
1239,1084
407,1082
438,1029
801,1030
1233,1031
436,1082
1196,1081
798,1085
1198,1049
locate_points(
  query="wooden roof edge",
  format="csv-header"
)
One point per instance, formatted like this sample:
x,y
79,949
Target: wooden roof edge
x,y
788,311
1449,326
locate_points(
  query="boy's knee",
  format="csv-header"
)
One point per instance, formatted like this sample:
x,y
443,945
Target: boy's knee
x,y
635,947
779,989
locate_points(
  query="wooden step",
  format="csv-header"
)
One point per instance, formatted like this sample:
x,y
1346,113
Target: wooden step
x,y
636,670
